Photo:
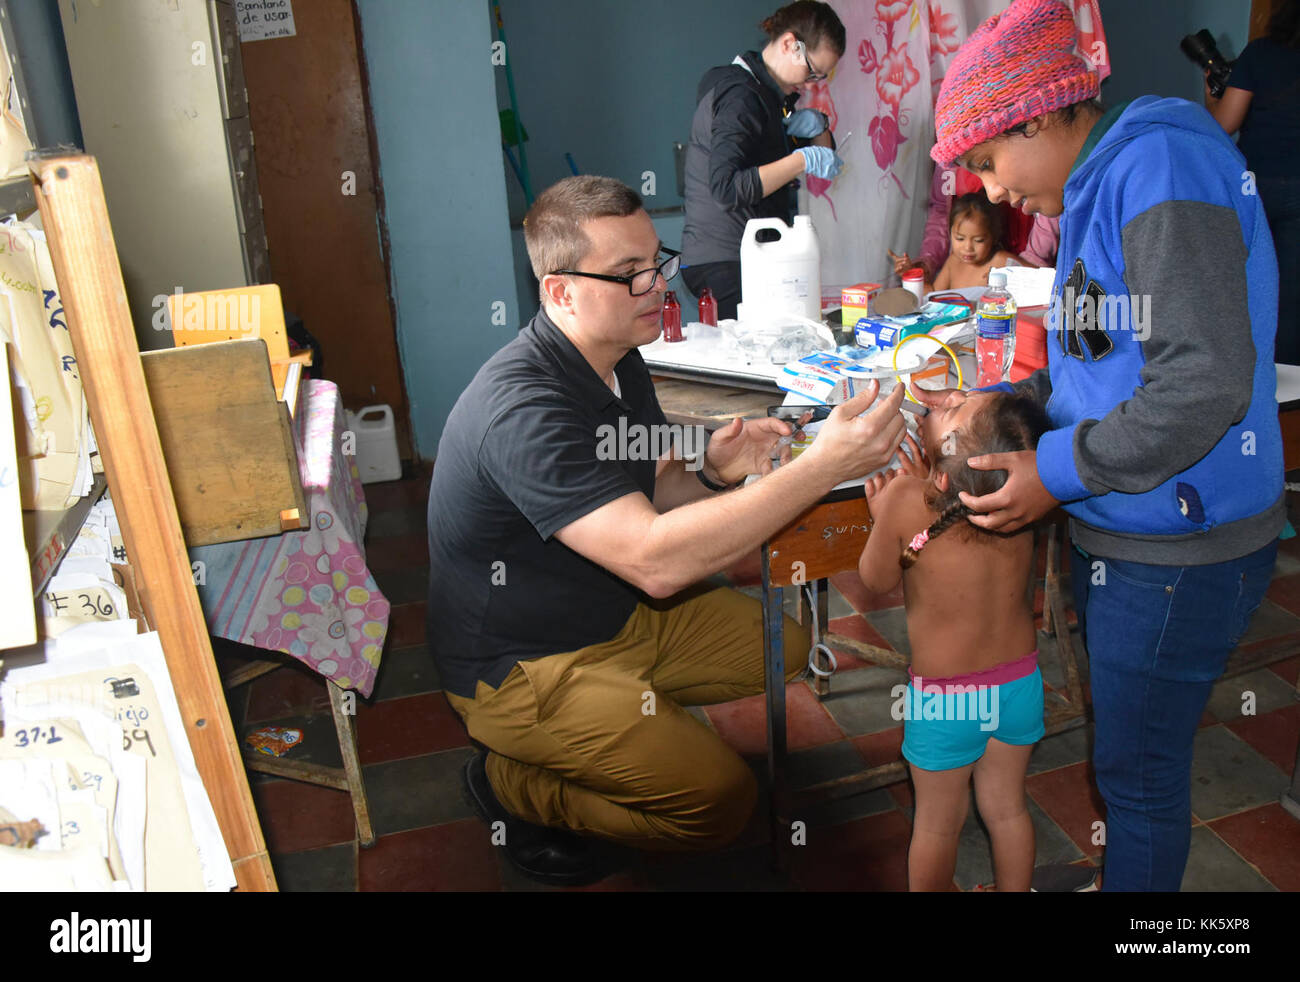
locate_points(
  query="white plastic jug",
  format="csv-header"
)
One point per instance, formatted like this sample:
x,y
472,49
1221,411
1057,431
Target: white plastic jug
x,y
376,443
783,276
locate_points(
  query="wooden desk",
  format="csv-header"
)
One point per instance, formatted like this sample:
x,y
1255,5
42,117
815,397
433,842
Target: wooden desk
x,y
710,404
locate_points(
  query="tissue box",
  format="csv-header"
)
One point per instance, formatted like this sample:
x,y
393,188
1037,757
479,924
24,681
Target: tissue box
x,y
885,332
855,302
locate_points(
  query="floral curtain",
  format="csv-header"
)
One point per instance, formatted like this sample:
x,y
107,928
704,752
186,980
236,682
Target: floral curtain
x,y
881,106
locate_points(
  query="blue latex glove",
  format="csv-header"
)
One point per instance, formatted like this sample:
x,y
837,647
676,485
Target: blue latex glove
x,y
821,162
806,123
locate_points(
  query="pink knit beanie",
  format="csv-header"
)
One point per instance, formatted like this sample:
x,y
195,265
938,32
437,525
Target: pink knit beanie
x,y
1018,64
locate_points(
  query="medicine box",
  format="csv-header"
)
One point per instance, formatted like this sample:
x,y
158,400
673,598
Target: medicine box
x,y
855,302
819,377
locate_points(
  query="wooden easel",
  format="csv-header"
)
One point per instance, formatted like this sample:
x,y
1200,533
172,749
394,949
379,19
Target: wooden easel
x,y
71,199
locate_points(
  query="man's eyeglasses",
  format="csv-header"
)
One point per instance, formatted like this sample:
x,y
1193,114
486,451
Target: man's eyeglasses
x,y
813,74
642,281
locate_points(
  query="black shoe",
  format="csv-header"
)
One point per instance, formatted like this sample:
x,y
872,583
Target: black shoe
x,y
1063,878
556,857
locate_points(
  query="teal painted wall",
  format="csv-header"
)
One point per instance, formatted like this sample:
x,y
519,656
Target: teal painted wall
x,y
432,92
1143,36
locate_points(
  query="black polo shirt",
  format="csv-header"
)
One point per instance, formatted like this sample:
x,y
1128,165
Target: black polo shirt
x,y
518,462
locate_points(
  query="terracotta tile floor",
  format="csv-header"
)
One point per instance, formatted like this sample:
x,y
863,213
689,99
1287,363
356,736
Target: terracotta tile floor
x,y
413,746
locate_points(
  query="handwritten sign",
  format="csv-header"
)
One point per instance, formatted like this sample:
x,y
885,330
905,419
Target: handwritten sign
x,y
262,19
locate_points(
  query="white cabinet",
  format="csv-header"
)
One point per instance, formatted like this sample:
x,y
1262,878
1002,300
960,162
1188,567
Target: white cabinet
x,y
160,93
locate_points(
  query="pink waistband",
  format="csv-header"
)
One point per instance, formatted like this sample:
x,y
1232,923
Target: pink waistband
x,y
997,675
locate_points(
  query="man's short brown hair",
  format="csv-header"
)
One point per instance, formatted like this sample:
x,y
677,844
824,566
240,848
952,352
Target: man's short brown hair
x,y
553,226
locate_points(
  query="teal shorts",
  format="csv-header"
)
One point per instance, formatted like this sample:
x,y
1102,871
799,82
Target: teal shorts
x,y
946,727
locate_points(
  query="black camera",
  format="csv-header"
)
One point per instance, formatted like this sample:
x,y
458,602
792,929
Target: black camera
x,y
1200,47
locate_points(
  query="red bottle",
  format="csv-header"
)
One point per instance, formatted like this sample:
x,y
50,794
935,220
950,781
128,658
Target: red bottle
x,y
672,318
708,308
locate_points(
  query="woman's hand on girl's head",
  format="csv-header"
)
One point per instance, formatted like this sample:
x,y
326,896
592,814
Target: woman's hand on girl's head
x,y
1022,501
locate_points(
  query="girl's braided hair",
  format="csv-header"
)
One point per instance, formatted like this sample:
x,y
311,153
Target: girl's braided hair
x,y
1009,423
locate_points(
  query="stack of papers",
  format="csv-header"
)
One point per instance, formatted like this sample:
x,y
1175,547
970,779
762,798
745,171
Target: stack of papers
x,y
1030,286
95,751
84,589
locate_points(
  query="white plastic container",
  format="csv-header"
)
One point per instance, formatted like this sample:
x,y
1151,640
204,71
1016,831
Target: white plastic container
x,y
783,276
376,443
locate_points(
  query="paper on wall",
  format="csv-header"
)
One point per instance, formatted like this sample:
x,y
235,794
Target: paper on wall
x,y
263,19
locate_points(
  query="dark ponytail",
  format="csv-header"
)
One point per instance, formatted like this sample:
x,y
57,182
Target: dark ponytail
x,y
952,513
810,22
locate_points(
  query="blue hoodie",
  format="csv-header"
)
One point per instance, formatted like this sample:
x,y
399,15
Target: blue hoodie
x,y
1160,376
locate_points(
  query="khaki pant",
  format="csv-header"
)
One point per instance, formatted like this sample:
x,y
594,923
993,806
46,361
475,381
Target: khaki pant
x,y
596,740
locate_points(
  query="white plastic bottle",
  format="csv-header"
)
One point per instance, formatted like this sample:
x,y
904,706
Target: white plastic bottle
x,y
783,276
995,331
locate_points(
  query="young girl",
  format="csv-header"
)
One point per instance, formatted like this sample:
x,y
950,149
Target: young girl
x,y
974,237
1165,448
975,702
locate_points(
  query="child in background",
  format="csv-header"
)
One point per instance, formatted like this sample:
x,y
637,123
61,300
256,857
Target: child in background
x,y
974,244
975,701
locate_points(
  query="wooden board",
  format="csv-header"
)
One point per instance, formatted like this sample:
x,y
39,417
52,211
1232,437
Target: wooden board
x,y
75,218
826,539
226,439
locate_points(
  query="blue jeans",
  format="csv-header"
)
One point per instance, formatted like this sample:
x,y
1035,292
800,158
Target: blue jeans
x,y
1157,638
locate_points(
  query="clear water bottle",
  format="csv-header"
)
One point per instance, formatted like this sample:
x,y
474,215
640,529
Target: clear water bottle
x,y
995,331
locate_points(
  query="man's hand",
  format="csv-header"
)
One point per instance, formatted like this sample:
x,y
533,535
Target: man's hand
x,y
1020,502
743,447
850,445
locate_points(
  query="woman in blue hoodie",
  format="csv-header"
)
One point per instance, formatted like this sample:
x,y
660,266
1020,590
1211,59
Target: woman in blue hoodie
x,y
1165,451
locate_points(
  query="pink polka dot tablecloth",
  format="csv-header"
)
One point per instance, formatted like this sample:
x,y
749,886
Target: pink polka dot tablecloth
x,y
308,593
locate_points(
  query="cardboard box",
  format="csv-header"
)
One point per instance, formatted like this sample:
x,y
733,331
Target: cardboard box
x,y
819,377
855,302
